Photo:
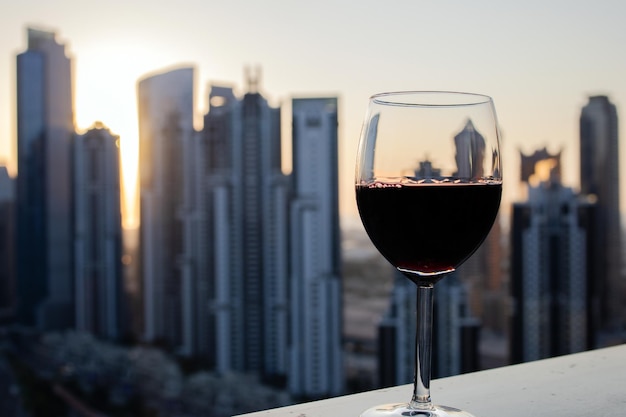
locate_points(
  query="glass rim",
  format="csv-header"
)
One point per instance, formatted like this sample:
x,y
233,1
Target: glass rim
x,y
430,98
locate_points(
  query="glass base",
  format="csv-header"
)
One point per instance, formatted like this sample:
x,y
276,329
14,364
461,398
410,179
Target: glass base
x,y
403,410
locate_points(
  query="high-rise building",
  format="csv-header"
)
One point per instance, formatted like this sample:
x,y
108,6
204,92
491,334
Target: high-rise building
x,y
166,135
316,307
212,237
45,128
260,192
552,268
7,247
243,222
98,233
599,180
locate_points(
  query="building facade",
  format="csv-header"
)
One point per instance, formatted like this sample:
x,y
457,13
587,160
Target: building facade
x,y
166,133
45,128
212,243
7,247
315,275
98,233
259,216
552,268
599,180
243,232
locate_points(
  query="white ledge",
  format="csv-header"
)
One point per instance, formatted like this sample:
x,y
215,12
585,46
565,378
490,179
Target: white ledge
x,y
585,384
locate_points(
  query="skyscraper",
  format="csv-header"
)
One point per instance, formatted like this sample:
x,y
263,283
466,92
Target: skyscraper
x,y
552,268
316,307
7,246
98,233
259,210
45,127
166,133
213,242
243,220
599,180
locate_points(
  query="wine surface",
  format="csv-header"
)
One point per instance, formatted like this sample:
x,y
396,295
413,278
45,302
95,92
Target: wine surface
x,y
428,229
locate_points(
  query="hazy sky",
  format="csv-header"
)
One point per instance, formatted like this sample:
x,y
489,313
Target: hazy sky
x,y
538,59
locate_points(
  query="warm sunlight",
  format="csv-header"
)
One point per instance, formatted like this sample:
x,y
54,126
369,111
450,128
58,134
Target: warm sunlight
x,y
543,172
129,153
106,76
130,194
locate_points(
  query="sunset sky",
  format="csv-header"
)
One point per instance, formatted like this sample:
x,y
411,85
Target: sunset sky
x,y
539,60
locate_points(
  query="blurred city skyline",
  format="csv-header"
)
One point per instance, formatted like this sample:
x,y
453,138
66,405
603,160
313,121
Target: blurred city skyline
x,y
540,62
206,205
209,199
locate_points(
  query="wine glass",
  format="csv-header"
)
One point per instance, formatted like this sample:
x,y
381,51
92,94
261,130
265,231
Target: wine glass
x,y
428,189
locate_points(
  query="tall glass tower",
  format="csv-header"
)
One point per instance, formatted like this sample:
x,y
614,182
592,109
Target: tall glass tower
x,y
166,131
45,127
316,302
599,181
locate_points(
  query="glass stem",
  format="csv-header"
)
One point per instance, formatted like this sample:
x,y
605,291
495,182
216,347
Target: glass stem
x,y
423,343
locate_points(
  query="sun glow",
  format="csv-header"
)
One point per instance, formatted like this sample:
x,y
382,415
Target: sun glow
x,y
106,76
129,151
125,128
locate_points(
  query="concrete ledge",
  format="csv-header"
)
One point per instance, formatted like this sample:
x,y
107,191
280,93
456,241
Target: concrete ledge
x,y
580,385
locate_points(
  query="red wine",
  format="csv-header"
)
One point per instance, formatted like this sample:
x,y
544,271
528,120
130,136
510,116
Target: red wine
x,y
428,229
